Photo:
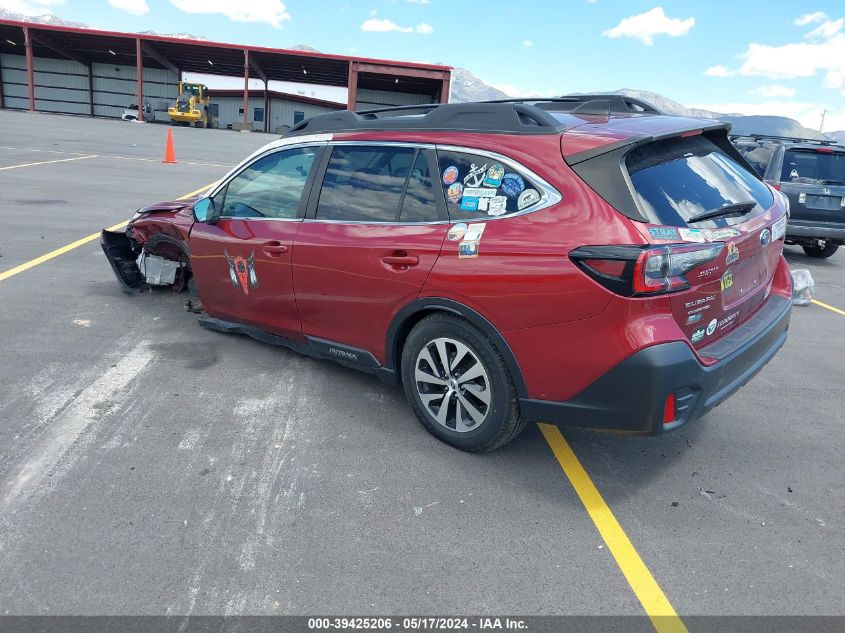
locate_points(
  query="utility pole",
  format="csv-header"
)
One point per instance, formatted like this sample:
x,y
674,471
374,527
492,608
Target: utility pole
x,y
821,125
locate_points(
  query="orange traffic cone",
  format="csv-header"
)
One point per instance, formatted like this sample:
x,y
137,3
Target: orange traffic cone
x,y
169,152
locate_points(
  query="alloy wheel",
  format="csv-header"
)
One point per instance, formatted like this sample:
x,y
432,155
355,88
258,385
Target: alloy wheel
x,y
452,384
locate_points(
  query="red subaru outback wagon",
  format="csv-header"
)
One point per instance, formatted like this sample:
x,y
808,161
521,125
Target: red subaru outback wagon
x,y
585,261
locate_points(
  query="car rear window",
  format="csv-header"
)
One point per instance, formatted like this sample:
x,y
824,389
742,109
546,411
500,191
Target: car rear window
x,y
679,178
813,167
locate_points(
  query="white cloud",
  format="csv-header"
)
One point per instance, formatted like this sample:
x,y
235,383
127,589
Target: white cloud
x,y
527,43
718,71
823,52
773,90
826,30
810,18
374,25
646,25
272,12
29,7
135,7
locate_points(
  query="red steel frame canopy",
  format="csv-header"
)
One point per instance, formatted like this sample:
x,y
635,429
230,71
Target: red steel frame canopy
x,y
88,46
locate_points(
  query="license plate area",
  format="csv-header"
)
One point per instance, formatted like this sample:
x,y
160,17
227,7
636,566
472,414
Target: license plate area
x,y
825,203
741,280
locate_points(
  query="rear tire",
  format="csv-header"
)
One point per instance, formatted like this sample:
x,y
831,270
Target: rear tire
x,y
482,406
821,252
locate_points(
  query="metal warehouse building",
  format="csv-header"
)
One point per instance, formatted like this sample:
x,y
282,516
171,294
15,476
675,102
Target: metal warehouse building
x,y
269,111
84,71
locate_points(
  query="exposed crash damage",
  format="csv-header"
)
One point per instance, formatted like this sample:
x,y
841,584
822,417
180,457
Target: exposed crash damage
x,y
153,250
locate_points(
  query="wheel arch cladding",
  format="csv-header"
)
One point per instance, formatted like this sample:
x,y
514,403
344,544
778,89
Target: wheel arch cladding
x,y
414,312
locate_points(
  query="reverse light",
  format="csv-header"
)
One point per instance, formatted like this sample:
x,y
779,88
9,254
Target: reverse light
x,y
635,271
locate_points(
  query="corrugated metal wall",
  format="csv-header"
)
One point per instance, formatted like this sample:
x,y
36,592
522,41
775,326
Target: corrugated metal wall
x,y
281,112
114,89
371,99
62,86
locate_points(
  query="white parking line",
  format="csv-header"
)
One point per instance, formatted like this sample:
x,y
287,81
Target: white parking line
x,y
47,162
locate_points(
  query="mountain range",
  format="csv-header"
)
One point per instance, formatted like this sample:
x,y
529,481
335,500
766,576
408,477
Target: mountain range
x,y
468,87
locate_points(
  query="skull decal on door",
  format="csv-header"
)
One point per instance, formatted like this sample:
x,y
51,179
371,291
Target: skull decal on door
x,y
242,271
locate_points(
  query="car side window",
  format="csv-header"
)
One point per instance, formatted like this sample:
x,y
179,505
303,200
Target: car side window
x,y
364,183
481,187
270,187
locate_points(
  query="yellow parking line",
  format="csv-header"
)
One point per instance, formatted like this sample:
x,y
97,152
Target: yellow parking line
x,y
89,238
831,308
47,162
656,605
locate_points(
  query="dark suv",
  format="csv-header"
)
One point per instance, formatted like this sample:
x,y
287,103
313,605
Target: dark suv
x,y
586,261
812,175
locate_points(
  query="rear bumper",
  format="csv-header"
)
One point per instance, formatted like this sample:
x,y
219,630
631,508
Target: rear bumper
x,y
815,229
630,397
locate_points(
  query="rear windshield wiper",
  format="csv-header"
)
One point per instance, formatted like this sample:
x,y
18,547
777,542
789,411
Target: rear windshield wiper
x,y
738,208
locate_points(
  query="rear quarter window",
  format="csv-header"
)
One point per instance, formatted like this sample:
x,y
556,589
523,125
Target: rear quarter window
x,y
477,186
678,178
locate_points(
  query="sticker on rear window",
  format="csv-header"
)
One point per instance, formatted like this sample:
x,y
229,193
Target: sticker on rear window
x,y
692,235
450,175
475,176
527,198
512,184
778,229
455,191
733,254
663,232
476,192
727,280
498,206
469,203
494,175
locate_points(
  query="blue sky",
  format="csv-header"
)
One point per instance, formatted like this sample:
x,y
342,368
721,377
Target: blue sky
x,y
751,56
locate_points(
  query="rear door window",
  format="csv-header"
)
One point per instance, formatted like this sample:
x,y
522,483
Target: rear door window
x,y
813,167
364,184
477,186
377,184
677,179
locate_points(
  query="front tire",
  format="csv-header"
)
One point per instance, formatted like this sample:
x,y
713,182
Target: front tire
x,y
458,384
821,252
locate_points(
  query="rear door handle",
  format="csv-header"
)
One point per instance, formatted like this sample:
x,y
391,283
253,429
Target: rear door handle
x,y
274,248
401,260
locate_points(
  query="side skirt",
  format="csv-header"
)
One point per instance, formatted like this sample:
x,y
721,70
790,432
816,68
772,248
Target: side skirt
x,y
313,347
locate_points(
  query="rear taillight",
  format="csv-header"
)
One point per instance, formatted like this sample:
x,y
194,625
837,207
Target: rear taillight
x,y
634,271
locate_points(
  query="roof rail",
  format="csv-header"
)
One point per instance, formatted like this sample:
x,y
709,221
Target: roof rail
x,y
513,116
791,139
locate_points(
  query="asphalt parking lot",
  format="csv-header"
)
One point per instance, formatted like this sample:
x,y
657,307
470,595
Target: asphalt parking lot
x,y
148,466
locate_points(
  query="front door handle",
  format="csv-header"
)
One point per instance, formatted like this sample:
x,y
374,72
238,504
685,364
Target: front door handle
x,y
401,260
274,248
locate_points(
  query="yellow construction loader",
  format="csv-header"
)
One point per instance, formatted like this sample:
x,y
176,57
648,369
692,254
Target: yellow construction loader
x,y
193,106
